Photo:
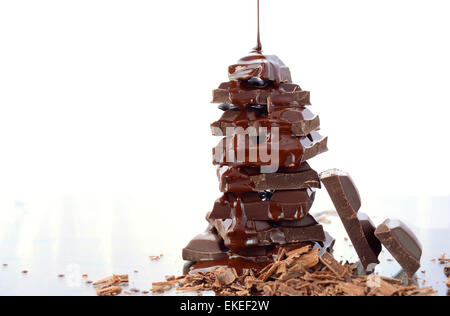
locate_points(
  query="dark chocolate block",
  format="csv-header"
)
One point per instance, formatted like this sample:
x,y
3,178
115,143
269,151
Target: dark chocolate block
x,y
346,199
300,121
290,205
235,179
274,97
264,233
263,67
206,246
401,242
244,150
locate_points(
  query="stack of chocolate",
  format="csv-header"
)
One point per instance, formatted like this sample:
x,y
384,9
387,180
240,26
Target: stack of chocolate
x,y
268,134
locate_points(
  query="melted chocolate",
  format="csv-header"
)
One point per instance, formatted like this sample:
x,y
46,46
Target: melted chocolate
x,y
244,150
278,206
242,96
245,179
298,121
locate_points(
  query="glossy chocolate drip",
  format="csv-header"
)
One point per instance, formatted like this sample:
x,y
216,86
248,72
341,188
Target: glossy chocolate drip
x,y
258,47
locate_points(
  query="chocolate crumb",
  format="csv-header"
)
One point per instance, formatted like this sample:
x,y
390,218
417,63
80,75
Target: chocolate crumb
x,y
299,273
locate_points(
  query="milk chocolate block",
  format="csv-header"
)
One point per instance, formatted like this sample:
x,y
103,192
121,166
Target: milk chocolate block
x,y
401,242
206,246
346,199
235,179
263,67
300,121
283,150
281,205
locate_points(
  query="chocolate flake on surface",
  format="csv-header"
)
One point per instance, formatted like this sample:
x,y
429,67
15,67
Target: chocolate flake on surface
x,y
300,272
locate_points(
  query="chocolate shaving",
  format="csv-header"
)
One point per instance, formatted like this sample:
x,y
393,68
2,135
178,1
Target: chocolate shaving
x,y
300,272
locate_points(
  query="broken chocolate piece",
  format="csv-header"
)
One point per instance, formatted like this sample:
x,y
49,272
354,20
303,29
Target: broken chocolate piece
x,y
263,67
266,233
401,242
236,179
346,199
240,96
206,246
300,121
290,205
285,150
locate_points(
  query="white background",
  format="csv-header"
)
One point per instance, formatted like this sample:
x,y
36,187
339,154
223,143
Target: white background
x,y
113,96
105,146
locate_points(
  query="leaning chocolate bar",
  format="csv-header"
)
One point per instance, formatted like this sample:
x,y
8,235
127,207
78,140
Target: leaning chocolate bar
x,y
346,199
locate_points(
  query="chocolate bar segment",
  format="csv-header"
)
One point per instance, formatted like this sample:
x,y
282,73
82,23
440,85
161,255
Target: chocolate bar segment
x,y
206,246
242,99
271,233
346,199
235,179
292,205
282,151
263,67
401,242
300,121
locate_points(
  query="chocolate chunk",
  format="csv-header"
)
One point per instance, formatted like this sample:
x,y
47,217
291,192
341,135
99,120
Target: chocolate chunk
x,y
346,199
401,242
275,97
300,121
263,67
291,205
282,151
206,246
314,145
271,233
235,179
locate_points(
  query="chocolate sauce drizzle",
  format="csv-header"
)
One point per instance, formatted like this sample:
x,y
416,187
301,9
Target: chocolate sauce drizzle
x,y
258,48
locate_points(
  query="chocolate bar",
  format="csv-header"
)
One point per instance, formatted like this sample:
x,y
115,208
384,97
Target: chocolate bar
x,y
244,150
300,121
401,242
346,199
244,179
244,98
206,246
263,67
270,233
281,205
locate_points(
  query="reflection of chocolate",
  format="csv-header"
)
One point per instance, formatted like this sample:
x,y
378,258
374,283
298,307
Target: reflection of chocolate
x,y
245,150
299,121
235,179
401,242
257,65
346,199
282,205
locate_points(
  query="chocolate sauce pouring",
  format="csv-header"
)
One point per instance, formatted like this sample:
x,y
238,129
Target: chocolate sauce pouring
x,y
258,48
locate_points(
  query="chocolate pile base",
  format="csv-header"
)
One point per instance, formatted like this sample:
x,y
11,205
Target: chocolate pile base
x,y
299,272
